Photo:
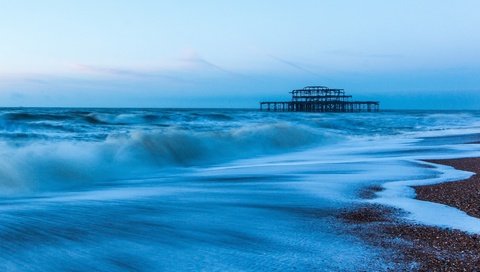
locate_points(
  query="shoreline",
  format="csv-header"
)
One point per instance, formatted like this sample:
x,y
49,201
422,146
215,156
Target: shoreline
x,y
412,247
462,194
420,247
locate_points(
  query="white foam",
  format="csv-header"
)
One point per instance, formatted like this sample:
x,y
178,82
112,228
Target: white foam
x,y
400,194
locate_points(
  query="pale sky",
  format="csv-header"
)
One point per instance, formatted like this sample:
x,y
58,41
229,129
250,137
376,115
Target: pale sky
x,y
114,53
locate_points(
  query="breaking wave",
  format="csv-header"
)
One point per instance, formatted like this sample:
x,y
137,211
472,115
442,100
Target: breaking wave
x,y
50,149
41,166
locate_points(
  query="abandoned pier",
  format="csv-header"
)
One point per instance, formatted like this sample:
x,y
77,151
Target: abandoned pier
x,y
321,99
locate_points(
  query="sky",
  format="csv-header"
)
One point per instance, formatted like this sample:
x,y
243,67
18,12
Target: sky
x,y
420,54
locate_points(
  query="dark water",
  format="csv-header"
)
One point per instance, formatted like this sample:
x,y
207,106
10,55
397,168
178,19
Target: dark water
x,y
214,190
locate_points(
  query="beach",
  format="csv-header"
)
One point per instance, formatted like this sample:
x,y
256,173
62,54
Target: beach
x,y
463,195
425,248
416,247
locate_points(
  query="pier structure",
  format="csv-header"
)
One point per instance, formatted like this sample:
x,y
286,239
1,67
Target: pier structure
x,y
321,99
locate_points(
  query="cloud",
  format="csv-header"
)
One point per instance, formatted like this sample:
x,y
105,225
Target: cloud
x,y
190,64
192,57
294,65
24,78
358,54
137,73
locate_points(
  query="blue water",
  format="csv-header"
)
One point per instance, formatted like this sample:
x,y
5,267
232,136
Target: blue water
x,y
213,190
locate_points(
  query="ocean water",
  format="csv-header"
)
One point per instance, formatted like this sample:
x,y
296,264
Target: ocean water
x,y
214,190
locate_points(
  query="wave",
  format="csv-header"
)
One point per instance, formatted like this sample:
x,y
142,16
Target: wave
x,y
94,118
49,149
25,116
45,166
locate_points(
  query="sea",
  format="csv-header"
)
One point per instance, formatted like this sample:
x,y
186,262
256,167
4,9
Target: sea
x,y
84,189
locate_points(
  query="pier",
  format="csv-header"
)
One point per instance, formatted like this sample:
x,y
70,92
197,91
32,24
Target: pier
x,y
321,99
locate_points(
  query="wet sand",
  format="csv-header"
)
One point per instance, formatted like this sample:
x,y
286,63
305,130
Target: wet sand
x,y
413,247
464,195
418,247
